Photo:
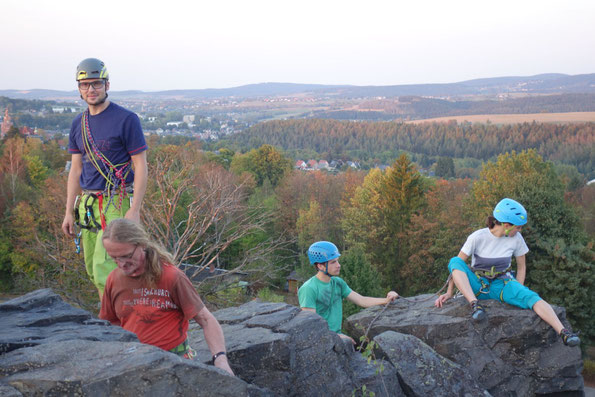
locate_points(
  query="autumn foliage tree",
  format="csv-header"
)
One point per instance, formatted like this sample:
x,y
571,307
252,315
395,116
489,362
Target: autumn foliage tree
x,y
435,235
12,170
300,194
379,214
199,211
264,163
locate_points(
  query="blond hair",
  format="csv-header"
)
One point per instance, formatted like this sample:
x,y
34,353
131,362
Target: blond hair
x,y
128,232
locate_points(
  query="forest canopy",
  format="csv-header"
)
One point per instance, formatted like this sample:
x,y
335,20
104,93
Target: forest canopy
x,y
572,144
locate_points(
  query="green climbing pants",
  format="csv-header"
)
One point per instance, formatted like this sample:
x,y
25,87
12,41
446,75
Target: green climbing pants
x,y
97,262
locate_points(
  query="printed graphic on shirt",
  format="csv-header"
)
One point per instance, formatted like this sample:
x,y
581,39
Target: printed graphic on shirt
x,y
153,297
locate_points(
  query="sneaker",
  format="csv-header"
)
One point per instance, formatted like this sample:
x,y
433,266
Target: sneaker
x,y
569,338
479,313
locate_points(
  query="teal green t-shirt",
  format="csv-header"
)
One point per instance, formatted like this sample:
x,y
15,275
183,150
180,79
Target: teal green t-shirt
x,y
326,299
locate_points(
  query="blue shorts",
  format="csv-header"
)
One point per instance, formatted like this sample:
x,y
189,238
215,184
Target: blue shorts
x,y
506,290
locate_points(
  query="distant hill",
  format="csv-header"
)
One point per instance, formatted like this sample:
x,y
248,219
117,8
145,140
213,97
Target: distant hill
x,y
538,84
415,107
250,90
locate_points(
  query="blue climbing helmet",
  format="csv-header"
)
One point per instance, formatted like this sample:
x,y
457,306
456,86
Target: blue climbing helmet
x,y
322,251
510,211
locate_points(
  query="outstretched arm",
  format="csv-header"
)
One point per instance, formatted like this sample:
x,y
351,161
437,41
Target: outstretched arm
x,y
214,337
368,301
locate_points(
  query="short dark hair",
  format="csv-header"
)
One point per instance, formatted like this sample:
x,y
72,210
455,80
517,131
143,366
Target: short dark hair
x,y
491,222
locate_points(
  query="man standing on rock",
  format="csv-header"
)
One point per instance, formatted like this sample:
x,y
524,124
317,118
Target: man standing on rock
x,y
324,292
106,142
149,296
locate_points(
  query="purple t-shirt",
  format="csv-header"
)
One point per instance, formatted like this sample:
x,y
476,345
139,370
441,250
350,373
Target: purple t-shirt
x,y
118,135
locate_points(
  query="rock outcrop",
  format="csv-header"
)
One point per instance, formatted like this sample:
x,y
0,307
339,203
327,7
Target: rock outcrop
x,y
513,353
52,349
48,347
293,353
42,317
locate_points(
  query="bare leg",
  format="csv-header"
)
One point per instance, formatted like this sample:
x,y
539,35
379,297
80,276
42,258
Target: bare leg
x,y
547,314
462,283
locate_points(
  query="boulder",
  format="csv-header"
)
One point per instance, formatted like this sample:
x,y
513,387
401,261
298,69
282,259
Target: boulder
x,y
513,353
43,317
423,372
292,352
84,368
379,376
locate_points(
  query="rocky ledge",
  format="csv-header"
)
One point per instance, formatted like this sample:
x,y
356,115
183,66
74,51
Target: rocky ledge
x,y
48,347
513,353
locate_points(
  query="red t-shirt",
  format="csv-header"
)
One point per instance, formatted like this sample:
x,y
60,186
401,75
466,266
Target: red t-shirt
x,y
158,316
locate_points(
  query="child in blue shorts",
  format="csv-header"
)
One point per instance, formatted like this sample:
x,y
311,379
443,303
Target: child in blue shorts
x,y
489,277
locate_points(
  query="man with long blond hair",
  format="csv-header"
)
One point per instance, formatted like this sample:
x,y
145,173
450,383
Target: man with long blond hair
x,y
148,295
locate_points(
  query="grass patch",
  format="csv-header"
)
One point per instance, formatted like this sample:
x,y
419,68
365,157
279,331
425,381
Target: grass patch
x,y
266,295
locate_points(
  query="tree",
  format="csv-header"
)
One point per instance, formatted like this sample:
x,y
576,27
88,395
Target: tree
x,y
445,167
199,210
434,236
41,255
310,226
379,214
36,171
224,157
359,274
362,218
265,162
13,132
299,189
12,168
401,197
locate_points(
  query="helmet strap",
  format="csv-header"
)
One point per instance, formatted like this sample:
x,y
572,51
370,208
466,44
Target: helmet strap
x,y
104,99
506,231
325,271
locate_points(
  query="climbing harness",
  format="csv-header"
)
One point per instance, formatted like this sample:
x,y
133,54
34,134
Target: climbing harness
x,y
491,275
114,174
88,222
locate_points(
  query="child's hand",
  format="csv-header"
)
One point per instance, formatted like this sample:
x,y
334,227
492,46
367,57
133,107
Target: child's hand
x,y
441,299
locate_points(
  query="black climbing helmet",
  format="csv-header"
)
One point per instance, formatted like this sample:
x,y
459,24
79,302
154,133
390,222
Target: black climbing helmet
x,y
91,68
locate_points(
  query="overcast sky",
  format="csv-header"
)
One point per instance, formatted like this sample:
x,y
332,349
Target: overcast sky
x,y
178,44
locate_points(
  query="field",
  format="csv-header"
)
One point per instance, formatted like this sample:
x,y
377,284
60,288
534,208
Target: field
x,y
562,118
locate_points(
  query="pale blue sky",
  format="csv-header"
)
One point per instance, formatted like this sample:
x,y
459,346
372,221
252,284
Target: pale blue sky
x,y
158,45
